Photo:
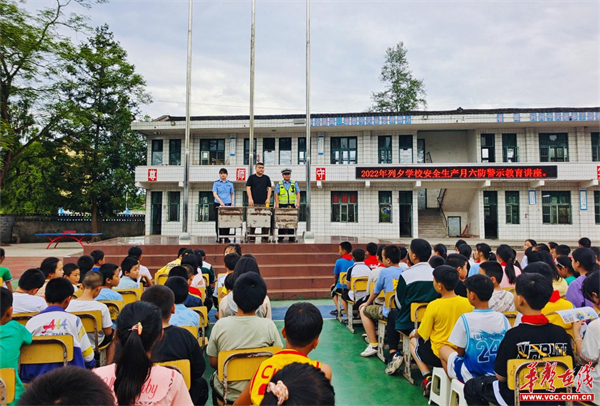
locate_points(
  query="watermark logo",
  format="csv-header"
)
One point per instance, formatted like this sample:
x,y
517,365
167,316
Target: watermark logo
x,y
550,380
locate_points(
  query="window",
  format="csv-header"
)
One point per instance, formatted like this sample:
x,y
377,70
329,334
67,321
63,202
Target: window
x,y
343,150
406,149
157,152
512,207
285,151
596,147
488,149
247,152
385,207
301,151
174,206
344,207
385,149
420,150
554,148
510,152
174,152
302,211
205,211
597,206
212,152
268,151
556,207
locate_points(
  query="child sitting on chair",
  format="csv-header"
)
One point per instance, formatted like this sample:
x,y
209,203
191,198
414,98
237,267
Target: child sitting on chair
x,y
230,261
52,268
299,384
182,316
359,269
194,297
110,279
25,299
72,273
130,267
224,303
341,265
502,300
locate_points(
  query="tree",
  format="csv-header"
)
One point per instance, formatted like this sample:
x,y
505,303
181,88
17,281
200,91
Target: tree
x,y
403,92
103,94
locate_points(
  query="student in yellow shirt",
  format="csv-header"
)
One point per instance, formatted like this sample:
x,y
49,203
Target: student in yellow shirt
x,y
175,262
437,324
302,327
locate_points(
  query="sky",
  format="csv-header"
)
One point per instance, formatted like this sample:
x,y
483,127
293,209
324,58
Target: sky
x,y
470,54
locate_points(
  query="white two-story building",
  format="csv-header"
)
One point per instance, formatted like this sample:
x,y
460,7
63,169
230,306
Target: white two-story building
x,y
506,173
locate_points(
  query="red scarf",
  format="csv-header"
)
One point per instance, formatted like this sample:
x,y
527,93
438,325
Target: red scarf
x,y
347,256
503,264
555,296
538,320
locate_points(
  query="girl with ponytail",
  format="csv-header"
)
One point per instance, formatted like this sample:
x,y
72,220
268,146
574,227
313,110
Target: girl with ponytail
x,y
134,379
483,253
584,262
507,257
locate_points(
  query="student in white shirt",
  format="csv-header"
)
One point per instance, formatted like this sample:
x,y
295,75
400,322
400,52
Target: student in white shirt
x,y
359,269
144,272
25,299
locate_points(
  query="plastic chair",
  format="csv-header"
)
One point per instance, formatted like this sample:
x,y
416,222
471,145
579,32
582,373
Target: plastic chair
x,y
381,324
440,387
343,281
114,307
7,385
23,318
183,367
206,279
358,284
417,311
160,279
48,349
130,295
457,393
203,313
511,316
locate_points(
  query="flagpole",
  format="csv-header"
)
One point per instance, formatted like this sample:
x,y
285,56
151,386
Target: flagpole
x,y
184,238
251,151
308,234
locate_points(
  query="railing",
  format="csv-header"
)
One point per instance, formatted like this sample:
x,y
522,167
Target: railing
x,y
428,159
440,200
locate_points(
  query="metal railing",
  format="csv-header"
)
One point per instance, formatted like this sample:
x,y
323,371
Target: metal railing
x,y
440,200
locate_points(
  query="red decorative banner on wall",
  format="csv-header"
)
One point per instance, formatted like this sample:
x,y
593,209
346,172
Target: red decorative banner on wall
x,y
459,172
240,174
321,173
152,175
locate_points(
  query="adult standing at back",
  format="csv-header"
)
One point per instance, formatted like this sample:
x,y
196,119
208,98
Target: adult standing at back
x,y
287,195
258,188
223,193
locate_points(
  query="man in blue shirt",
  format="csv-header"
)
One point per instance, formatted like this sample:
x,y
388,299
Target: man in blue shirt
x,y
287,195
224,196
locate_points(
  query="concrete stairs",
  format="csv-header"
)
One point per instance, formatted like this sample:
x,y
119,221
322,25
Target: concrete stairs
x,y
431,225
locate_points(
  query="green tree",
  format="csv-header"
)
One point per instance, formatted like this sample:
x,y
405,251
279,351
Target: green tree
x,y
402,91
103,94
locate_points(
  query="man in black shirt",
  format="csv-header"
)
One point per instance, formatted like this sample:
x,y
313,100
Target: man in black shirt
x,y
258,188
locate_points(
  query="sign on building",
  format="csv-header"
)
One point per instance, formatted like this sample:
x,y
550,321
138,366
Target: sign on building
x,y
459,172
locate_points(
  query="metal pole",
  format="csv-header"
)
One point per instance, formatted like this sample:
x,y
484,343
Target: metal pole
x,y
308,234
185,236
251,138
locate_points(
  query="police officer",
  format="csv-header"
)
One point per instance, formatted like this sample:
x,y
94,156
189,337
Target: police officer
x,y
287,195
224,196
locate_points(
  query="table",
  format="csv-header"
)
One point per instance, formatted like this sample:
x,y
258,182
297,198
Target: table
x,y
59,237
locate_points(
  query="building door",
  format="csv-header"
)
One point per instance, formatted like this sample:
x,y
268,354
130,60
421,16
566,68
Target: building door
x,y
269,151
156,213
405,204
454,226
422,199
490,210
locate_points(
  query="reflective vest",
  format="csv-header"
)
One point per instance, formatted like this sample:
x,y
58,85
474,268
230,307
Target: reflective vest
x,y
287,196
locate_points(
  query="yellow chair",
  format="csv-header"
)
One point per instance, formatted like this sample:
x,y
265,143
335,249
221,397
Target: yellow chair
x,y
92,323
7,385
48,349
511,316
114,307
206,279
160,279
130,295
381,324
358,284
343,281
203,313
23,318
518,368
417,311
240,365
183,367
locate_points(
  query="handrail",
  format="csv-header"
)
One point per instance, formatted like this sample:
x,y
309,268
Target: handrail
x,y
440,200
428,158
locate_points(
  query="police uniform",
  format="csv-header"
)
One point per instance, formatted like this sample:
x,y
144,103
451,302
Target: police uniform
x,y
286,195
224,190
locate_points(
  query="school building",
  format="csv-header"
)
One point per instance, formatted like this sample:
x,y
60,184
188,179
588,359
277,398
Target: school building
x,y
502,173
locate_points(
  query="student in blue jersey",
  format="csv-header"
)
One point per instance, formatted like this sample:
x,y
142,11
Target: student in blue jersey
x,y
287,195
480,331
111,278
182,316
130,267
341,265
224,195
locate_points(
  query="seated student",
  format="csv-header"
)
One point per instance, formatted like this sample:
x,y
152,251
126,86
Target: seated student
x,y
182,316
474,333
232,247
144,277
247,264
370,312
72,273
205,266
440,250
85,263
55,320
359,269
466,251
12,336
558,283
244,330
195,262
584,262
111,279
303,325
502,300
528,245
565,269
52,268
134,379
552,245
230,261
524,341
436,261
98,256
341,265
299,384
68,386
437,324
177,261
194,298
371,260
482,253
91,287
5,274
597,252
130,267
224,303
562,250
177,343
506,256
584,242
461,264
25,299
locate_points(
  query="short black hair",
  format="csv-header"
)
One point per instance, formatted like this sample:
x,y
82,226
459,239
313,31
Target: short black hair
x,y
187,251
457,260
191,260
85,263
6,300
180,251
236,247
372,248
92,280
108,272
403,252
69,268
68,385
135,251
179,271
48,266
98,255
531,241
436,261
492,269
190,271
358,255
421,248
303,323
585,242
223,170
128,263
346,246
180,288
459,243
591,284
58,289
380,252
306,385
481,285
552,245
229,281
259,164
392,253
200,253
536,289
447,276
2,252
32,279
465,250
542,247
162,297
230,260
563,249
249,291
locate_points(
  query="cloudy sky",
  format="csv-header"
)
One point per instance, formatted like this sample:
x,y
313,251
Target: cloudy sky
x,y
472,54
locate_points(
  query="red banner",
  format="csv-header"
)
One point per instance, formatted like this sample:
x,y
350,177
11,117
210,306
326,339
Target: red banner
x,y
240,174
152,175
321,173
459,172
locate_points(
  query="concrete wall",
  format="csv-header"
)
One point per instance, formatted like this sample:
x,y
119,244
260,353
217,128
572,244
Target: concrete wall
x,y
445,146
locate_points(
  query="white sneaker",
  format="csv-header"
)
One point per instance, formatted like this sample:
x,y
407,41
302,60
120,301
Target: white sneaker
x,y
394,364
369,351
